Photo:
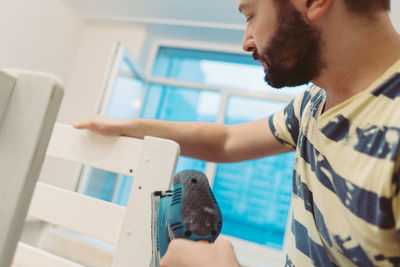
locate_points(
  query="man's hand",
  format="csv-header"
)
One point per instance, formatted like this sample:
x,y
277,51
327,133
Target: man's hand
x,y
102,125
185,253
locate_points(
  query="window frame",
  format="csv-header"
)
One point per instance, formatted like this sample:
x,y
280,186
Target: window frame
x,y
119,53
248,253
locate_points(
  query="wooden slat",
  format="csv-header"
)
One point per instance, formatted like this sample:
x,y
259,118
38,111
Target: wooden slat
x,y
157,165
28,256
77,212
24,135
7,83
95,150
128,228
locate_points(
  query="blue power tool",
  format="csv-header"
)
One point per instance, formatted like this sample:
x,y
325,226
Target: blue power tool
x,y
190,211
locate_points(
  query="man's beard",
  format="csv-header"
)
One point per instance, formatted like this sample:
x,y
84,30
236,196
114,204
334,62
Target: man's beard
x,y
293,56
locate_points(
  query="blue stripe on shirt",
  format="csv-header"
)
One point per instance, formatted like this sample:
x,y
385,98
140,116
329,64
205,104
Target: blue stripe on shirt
x,y
393,260
301,189
292,122
390,89
338,129
275,133
371,140
316,102
365,204
354,252
396,182
309,155
304,102
306,245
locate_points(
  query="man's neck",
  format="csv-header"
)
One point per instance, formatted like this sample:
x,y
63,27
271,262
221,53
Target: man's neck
x,y
355,58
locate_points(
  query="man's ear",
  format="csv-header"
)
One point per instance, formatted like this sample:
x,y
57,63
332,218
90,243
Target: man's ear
x,y
316,8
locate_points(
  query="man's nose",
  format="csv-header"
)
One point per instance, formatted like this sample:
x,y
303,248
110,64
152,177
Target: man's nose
x,y
248,44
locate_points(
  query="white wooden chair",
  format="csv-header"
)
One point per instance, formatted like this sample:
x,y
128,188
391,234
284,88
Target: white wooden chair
x,y
29,103
151,161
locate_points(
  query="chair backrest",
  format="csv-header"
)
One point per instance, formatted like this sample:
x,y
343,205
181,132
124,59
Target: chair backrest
x,y
7,84
29,104
151,161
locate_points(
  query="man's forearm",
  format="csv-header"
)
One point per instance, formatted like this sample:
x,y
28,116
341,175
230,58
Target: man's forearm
x,y
199,140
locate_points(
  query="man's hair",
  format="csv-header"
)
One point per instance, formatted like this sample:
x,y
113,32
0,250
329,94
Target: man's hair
x,y
359,7
367,7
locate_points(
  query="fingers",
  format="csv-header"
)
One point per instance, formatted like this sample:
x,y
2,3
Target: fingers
x,y
81,125
102,125
88,123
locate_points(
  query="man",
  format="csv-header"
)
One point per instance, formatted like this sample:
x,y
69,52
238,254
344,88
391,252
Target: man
x,y
345,130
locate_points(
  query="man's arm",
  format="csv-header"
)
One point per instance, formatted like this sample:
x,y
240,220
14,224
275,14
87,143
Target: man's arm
x,y
205,141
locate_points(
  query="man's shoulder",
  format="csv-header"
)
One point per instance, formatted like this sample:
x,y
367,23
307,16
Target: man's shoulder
x,y
390,88
308,103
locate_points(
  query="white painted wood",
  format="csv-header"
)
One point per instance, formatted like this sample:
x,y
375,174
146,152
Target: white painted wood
x,y
157,165
24,135
152,162
77,212
112,73
7,84
28,256
115,154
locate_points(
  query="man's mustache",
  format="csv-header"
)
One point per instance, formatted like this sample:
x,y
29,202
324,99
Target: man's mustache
x,y
256,56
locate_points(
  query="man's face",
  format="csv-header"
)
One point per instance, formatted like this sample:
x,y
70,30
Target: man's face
x,y
290,52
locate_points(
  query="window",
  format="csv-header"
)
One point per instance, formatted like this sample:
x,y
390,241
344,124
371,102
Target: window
x,y
123,99
201,85
254,195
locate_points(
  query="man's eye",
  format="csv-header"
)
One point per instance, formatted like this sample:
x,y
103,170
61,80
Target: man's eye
x,y
249,18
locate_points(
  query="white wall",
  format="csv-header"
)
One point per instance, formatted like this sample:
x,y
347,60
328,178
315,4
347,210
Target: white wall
x,y
395,14
49,36
86,85
41,35
92,65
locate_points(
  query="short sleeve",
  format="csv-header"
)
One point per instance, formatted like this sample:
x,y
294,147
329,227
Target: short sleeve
x,y
285,125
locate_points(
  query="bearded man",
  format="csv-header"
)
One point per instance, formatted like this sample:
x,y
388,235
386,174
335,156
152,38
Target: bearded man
x,y
345,130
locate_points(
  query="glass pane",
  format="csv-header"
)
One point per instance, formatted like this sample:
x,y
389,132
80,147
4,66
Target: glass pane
x,y
254,196
126,98
215,68
101,184
125,102
125,190
248,77
182,104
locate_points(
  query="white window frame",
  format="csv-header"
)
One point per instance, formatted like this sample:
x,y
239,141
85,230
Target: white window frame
x,y
119,53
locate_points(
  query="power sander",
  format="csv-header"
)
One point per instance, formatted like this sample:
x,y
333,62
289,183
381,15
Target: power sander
x,y
189,211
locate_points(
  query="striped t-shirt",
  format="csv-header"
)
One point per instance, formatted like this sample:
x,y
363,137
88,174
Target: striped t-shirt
x,y
346,181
